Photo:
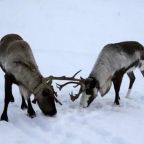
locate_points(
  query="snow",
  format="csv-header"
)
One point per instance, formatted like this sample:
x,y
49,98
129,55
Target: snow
x,y
66,36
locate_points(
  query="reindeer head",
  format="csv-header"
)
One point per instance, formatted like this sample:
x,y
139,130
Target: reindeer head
x,y
89,93
46,102
45,97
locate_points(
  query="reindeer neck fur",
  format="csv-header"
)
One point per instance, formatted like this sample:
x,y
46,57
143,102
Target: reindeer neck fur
x,y
113,58
17,60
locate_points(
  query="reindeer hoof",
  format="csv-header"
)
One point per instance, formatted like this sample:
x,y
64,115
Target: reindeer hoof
x,y
4,117
116,102
32,114
12,99
24,106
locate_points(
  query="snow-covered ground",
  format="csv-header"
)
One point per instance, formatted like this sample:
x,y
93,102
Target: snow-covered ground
x,y
65,36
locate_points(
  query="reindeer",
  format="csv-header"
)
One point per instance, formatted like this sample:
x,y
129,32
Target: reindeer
x,y
20,68
113,62
10,38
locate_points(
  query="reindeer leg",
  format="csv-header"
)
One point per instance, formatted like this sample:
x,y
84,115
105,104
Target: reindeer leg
x,y
25,93
31,112
8,97
117,83
132,79
23,104
9,82
4,114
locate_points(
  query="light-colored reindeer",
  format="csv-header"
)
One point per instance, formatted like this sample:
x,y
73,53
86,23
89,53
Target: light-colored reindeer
x,y
113,62
18,63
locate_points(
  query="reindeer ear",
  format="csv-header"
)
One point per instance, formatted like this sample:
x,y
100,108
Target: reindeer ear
x,y
46,92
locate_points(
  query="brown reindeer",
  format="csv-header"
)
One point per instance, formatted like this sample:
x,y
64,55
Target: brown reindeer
x,y
18,63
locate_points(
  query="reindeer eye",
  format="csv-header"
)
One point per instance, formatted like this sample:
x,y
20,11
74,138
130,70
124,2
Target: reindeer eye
x,y
46,93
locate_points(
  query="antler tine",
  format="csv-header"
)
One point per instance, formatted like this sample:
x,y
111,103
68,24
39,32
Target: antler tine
x,y
73,97
55,95
76,73
50,78
54,92
60,86
57,101
76,96
76,85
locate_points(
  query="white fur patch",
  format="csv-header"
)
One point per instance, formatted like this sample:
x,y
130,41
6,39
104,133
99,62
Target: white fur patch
x,y
84,100
128,93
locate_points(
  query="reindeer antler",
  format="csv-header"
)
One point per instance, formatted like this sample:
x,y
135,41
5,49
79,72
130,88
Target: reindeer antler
x,y
72,80
55,94
50,78
60,86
